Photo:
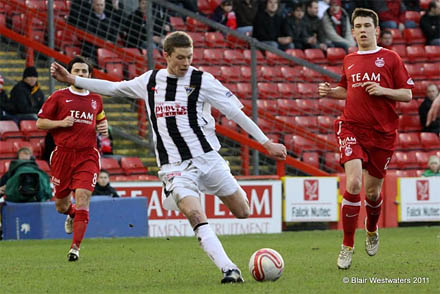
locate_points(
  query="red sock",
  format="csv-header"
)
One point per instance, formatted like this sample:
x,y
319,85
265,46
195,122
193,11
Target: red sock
x,y
351,205
71,210
373,213
80,223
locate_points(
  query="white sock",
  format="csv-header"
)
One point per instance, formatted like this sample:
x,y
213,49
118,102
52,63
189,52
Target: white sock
x,y
211,245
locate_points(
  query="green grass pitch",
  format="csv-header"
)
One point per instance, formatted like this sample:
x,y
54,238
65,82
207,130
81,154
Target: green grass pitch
x,y
178,265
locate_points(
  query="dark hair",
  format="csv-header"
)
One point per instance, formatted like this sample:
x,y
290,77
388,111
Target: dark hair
x,y
176,39
385,32
104,171
364,12
79,59
432,5
309,3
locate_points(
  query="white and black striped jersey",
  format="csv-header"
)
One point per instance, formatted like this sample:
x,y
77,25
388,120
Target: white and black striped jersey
x,y
179,110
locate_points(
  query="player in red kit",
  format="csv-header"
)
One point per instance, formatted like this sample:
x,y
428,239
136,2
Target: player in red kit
x,y
373,80
73,116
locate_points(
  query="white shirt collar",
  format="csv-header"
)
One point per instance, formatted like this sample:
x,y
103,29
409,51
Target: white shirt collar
x,y
370,51
79,93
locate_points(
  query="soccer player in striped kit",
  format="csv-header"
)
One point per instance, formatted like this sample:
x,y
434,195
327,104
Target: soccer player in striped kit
x,y
179,100
373,80
73,116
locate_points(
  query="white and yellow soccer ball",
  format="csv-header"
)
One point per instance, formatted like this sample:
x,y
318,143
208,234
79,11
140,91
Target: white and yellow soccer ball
x,y
266,265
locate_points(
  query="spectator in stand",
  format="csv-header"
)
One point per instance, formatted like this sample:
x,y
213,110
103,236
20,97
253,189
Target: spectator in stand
x,y
430,24
114,9
337,27
23,153
268,24
433,167
4,100
392,14
79,13
431,95
26,98
386,39
103,186
245,11
316,37
295,28
187,4
225,15
137,26
100,25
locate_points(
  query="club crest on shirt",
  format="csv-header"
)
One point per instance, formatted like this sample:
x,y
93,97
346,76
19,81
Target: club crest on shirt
x,y
93,104
380,62
348,151
410,82
189,90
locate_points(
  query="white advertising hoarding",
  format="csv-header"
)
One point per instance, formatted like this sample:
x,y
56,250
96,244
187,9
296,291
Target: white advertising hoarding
x,y
264,200
419,199
311,199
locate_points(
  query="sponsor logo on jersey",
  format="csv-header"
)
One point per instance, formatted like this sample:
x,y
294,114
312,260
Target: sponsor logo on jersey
x,y
94,104
68,100
380,62
170,108
82,117
347,141
189,90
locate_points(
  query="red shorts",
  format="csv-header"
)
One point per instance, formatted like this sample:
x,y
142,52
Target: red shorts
x,y
374,148
72,169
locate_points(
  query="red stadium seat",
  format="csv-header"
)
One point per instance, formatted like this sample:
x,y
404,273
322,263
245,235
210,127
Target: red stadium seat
x,y
204,7
419,89
298,144
36,4
213,56
335,55
111,165
429,141
214,70
60,8
244,90
332,161
247,56
416,53
30,130
231,73
198,56
416,71
215,40
298,53
401,50
432,53
408,107
325,123
432,70
315,55
292,73
308,122
194,25
235,42
267,105
43,165
337,69
311,158
422,158
198,39
287,106
408,123
9,130
231,86
271,73
72,51
399,160
267,90
177,23
273,58
7,150
307,90
311,75
234,56
287,90
33,146
352,49
265,125
308,107
412,16
106,56
329,106
409,140
414,36
397,36
115,69
411,160
132,166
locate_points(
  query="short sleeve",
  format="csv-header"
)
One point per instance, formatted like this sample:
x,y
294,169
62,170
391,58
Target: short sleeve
x,y
219,96
343,82
401,77
49,108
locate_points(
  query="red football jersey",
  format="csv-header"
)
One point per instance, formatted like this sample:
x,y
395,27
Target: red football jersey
x,y
85,108
382,66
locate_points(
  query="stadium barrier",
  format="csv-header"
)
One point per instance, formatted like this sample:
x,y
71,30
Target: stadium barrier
x,y
109,217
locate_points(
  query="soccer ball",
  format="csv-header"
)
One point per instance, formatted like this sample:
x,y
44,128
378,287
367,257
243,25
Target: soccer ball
x,y
266,265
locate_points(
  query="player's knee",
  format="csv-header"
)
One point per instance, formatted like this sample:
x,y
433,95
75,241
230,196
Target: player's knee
x,y
372,195
354,185
62,207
